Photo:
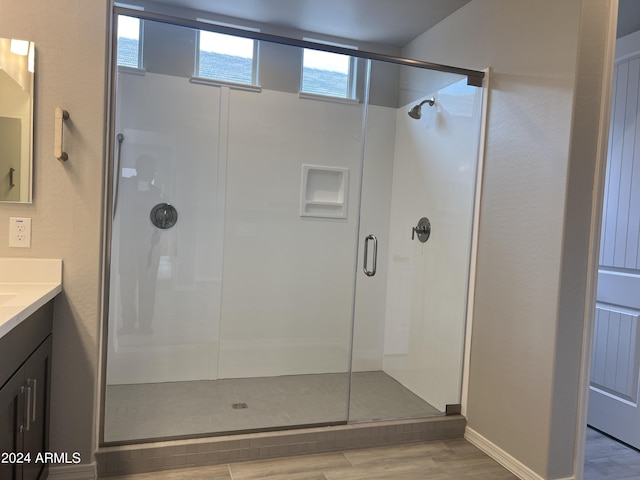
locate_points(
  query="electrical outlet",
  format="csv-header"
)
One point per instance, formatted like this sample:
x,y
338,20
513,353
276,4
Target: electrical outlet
x,y
19,232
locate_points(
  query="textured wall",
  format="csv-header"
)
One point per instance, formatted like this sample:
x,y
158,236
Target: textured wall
x,y
535,217
581,227
521,215
70,40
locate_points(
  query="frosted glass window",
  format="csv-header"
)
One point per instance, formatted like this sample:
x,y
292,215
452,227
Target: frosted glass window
x,y
227,57
326,73
129,45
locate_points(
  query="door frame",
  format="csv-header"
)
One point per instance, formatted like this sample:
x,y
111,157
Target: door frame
x,y
594,241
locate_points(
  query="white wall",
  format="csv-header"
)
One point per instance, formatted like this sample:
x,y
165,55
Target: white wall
x,y
370,300
288,280
627,45
434,176
284,303
526,329
67,201
178,124
230,161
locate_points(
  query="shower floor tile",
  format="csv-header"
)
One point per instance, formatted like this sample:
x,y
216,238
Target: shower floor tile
x,y
174,409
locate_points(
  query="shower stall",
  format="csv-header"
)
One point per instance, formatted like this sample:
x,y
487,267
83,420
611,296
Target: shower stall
x,y
283,253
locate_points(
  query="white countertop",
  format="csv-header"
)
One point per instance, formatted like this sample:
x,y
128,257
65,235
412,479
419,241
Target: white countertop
x,y
26,284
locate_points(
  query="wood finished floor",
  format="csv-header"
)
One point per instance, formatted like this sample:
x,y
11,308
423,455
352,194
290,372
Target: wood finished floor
x,y
606,459
456,459
438,460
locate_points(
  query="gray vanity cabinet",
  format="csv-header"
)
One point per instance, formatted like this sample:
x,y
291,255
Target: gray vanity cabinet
x,y
11,410
25,378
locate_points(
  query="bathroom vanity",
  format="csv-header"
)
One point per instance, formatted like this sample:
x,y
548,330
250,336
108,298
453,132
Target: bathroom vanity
x,y
27,290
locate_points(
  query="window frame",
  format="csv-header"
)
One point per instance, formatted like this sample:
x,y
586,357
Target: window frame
x,y
140,53
254,60
352,73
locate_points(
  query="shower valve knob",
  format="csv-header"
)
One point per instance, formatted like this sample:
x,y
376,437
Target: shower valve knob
x,y
423,230
164,216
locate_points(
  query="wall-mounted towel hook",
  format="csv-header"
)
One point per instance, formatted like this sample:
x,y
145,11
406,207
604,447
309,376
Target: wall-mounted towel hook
x,y
60,116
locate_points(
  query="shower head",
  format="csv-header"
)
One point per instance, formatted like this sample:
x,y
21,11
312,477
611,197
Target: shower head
x,y
416,111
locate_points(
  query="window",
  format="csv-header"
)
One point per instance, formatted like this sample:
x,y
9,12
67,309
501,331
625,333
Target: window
x,y
326,73
129,42
227,58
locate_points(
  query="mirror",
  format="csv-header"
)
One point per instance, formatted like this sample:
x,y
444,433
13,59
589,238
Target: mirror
x,y
16,119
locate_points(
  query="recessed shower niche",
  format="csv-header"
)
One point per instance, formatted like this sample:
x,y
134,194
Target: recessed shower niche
x,y
324,191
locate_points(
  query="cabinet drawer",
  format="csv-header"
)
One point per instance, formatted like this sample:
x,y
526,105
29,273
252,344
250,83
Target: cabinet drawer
x,y
19,343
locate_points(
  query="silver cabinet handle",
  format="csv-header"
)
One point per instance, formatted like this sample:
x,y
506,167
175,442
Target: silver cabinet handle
x,y
35,398
365,268
28,412
21,427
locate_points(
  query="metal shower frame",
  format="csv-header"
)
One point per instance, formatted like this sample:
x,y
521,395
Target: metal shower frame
x,y
474,77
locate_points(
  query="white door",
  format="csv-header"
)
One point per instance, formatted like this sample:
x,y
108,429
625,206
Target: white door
x,y
614,392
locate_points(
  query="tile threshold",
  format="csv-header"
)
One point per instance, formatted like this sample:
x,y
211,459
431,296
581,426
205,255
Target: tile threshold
x,y
200,452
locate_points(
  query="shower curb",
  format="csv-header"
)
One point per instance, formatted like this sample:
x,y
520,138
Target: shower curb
x,y
152,457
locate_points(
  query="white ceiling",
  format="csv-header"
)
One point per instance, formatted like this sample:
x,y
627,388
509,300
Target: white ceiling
x,y
386,22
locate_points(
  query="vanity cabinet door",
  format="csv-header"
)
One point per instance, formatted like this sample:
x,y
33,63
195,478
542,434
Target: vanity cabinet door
x,y
37,381
24,418
12,407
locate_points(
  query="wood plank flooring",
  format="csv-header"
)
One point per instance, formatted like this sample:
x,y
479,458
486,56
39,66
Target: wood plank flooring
x,y
606,459
456,459
438,460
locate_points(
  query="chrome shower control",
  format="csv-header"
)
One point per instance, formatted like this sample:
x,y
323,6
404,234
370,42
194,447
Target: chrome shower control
x,y
423,229
164,216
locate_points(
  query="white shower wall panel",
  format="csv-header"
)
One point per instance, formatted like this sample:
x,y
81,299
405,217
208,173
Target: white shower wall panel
x,y
281,300
376,208
288,280
434,176
177,123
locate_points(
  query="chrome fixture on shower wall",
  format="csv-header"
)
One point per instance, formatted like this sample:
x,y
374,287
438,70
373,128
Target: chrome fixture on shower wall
x,y
163,216
416,111
423,229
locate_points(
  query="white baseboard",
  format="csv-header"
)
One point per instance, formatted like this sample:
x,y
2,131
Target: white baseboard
x,y
516,467
83,471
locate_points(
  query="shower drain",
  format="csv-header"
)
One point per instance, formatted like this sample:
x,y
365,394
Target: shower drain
x,y
239,405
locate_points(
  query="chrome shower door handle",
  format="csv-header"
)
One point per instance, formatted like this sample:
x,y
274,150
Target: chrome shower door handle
x,y
365,267
120,138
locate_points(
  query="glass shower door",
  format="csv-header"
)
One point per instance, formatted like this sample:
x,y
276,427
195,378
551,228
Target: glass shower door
x,y
166,249
418,200
233,249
